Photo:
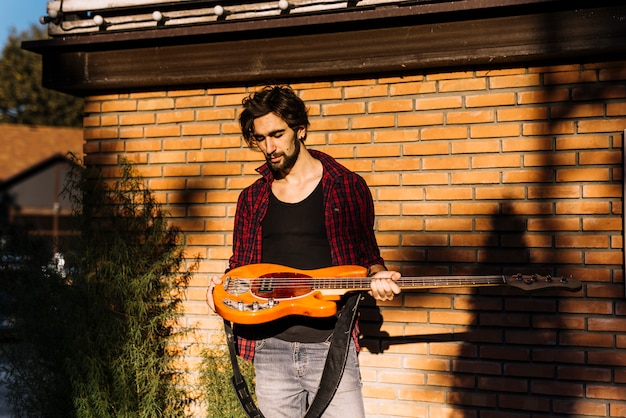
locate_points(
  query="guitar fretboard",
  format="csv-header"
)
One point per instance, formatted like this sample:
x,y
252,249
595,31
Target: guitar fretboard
x,y
361,283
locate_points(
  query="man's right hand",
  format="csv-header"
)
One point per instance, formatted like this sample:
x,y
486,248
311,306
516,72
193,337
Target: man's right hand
x,y
213,281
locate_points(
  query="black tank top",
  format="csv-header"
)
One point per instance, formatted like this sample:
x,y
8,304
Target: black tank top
x,y
294,234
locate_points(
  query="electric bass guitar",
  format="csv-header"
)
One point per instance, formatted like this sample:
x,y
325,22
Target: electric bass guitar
x,y
259,293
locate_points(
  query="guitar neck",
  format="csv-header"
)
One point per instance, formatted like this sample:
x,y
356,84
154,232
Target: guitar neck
x,y
346,284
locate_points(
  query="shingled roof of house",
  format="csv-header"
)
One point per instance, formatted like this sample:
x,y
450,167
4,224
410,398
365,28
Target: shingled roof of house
x,y
24,147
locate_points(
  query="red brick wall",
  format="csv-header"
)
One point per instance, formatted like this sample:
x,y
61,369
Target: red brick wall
x,y
478,172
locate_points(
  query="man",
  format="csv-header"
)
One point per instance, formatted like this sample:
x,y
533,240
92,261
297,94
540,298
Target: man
x,y
306,211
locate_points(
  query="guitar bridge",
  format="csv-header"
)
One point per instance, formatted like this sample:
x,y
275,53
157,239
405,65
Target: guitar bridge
x,y
236,286
249,307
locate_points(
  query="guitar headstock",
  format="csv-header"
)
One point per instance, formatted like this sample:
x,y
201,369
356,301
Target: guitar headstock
x,y
533,282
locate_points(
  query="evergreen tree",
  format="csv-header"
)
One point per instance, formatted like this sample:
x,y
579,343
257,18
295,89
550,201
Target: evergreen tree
x,y
23,99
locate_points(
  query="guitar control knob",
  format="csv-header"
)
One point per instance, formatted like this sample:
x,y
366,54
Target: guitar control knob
x,y
255,306
240,305
271,302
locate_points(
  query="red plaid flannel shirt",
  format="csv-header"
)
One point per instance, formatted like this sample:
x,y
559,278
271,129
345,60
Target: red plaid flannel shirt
x,y
349,214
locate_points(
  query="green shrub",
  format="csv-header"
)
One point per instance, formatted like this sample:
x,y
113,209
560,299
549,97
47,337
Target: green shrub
x,y
215,379
100,339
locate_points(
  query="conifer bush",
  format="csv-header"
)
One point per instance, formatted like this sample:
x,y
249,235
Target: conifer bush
x,y
100,339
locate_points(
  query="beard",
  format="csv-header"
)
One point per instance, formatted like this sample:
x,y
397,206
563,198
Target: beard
x,y
288,161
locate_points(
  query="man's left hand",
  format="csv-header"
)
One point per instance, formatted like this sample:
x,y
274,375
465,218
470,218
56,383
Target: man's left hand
x,y
384,286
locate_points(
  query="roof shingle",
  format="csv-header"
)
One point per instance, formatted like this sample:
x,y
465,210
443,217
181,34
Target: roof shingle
x,y
25,146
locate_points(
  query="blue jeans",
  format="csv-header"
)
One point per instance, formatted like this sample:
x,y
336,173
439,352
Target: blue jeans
x,y
288,375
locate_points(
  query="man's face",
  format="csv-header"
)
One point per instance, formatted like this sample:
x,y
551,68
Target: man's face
x,y
277,141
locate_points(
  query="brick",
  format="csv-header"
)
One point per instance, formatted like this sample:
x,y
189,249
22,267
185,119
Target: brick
x,y
181,170
498,192
499,384
476,399
466,117
162,131
499,131
522,114
426,148
578,110
599,93
386,106
424,209
554,192
582,174
443,133
542,159
451,102
583,142
474,208
137,119
601,125
596,391
527,176
475,177
147,145
549,128
449,193
517,80
602,224
395,164
119,106
366,91
445,163
350,138
491,99
617,358
396,135
450,380
398,194
477,367
526,144
214,114
543,96
544,371
414,87
600,157
581,241
155,104
476,146
348,108
587,339
181,144
462,84
373,121
420,119
581,407
473,240
617,325
582,208
399,409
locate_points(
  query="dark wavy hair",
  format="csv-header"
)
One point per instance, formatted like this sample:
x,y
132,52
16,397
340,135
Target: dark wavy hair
x,y
280,100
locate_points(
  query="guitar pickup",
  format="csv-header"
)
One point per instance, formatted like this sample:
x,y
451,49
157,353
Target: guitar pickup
x,y
249,307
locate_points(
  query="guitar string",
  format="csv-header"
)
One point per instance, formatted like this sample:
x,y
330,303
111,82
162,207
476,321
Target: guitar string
x,y
362,282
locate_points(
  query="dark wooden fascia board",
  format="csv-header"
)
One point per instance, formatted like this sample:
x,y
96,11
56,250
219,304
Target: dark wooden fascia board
x,y
205,59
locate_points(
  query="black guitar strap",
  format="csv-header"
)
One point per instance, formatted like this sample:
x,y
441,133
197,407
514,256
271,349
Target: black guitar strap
x,y
333,368
239,383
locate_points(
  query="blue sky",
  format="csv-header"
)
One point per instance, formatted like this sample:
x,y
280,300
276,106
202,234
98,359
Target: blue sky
x,y
19,14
